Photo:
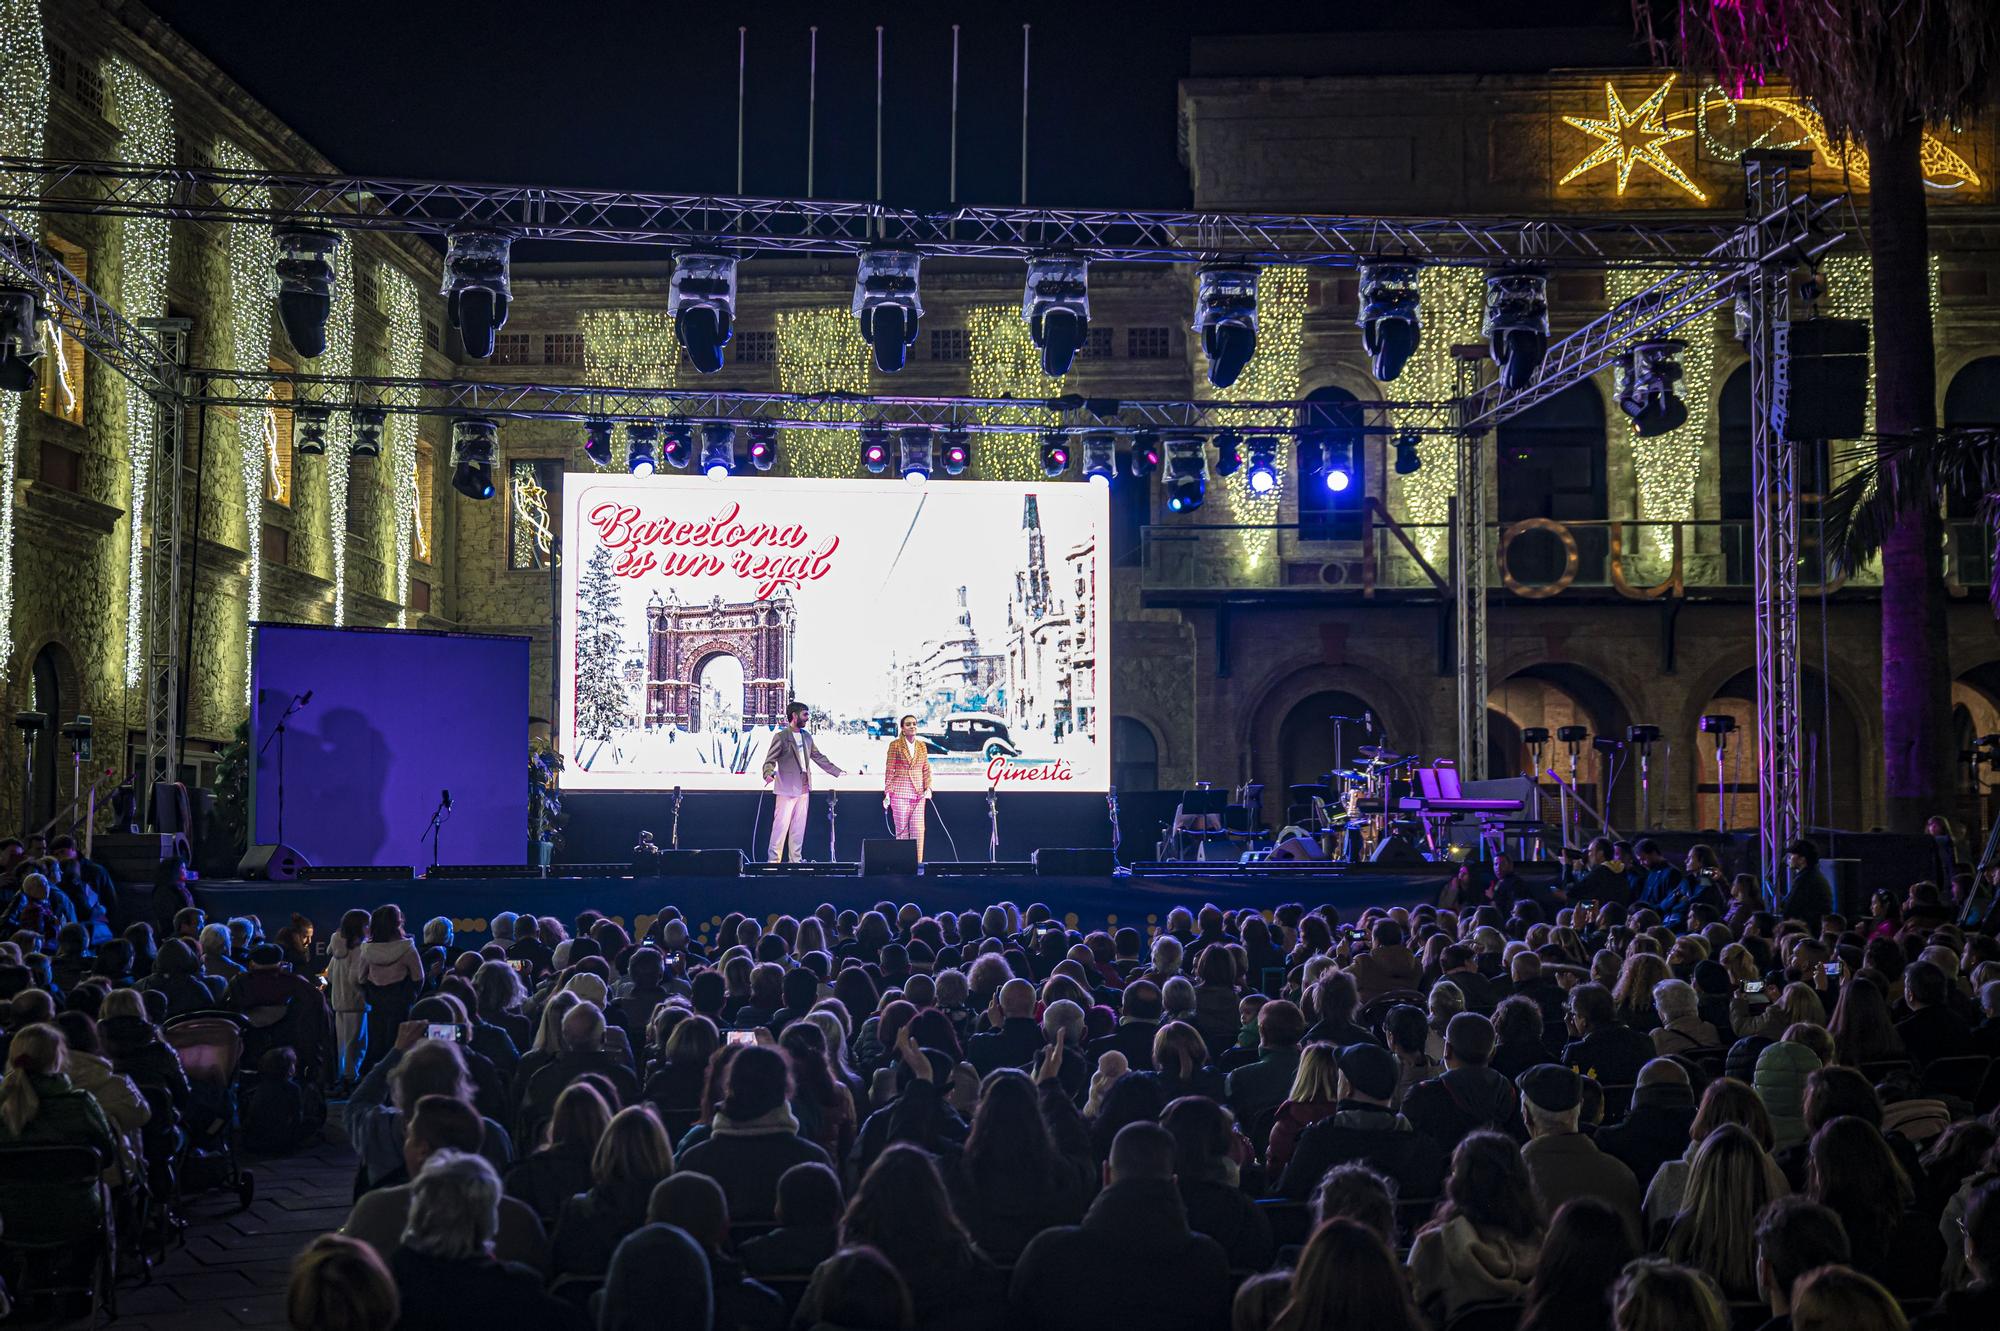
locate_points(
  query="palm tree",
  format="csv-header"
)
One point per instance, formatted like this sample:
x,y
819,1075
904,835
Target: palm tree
x,y
1879,72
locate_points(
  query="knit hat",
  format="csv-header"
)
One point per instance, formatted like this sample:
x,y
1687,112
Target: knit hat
x,y
1370,1069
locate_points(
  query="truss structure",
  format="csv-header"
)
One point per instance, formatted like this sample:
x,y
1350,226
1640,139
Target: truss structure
x,y
1703,265
818,226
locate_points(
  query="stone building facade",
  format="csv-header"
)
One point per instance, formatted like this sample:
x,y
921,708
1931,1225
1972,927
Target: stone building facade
x,y
1231,634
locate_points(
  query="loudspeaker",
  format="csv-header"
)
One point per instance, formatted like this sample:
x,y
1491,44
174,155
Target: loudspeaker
x,y
277,864
701,864
1395,853
1828,398
1074,862
888,855
170,808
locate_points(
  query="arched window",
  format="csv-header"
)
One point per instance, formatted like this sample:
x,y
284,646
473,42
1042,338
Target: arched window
x,y
1334,422
1973,398
1135,755
1552,465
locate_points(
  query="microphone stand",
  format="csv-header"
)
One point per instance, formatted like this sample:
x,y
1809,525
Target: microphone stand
x,y
435,832
1111,800
278,734
675,839
832,827
993,821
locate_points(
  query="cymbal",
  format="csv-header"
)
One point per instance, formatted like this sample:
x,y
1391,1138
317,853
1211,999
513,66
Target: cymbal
x,y
1379,754
1349,774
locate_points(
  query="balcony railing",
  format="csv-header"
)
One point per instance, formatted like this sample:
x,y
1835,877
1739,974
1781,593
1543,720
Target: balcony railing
x,y
1534,559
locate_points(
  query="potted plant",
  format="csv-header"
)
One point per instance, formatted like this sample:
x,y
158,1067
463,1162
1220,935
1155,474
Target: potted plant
x,y
544,802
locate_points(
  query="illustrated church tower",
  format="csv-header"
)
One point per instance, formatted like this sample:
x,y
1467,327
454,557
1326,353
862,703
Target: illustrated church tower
x,y
1032,584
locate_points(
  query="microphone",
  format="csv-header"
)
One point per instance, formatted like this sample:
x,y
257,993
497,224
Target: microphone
x,y
301,699
447,799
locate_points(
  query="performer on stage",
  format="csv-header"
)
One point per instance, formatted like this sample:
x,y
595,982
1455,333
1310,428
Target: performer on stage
x,y
907,783
785,762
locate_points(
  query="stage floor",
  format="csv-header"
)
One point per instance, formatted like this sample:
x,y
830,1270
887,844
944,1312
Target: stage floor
x,y
1084,902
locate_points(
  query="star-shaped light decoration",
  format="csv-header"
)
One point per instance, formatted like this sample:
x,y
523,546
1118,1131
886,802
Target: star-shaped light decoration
x,y
1628,137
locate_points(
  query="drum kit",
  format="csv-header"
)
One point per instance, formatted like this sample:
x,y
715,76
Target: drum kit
x,y
1357,816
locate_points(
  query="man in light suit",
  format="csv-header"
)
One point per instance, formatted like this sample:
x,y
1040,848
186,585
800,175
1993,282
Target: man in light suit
x,y
785,761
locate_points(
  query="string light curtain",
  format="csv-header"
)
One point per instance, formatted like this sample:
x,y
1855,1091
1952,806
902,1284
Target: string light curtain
x,y
406,360
631,348
1453,302
253,316
821,350
145,118
1668,466
1007,363
338,360
24,115
1273,375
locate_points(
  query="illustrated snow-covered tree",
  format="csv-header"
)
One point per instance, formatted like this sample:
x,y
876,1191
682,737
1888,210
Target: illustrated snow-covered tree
x,y
602,706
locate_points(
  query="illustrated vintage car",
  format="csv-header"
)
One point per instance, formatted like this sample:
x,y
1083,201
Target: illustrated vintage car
x,y
974,732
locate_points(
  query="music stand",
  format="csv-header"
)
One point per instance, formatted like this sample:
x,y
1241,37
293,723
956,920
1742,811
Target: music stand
x,y
1203,802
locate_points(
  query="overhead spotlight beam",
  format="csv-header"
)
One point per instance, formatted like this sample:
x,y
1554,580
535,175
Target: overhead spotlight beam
x,y
1056,306
888,304
477,287
474,440
304,269
701,302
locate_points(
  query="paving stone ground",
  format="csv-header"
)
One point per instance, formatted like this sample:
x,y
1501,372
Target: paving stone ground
x,y
231,1272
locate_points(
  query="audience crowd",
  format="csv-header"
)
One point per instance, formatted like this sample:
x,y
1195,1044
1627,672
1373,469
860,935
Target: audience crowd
x,y
1641,1098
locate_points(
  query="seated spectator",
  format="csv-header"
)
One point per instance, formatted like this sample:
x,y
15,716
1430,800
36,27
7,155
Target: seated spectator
x,y
857,1288
673,1088
1863,1029
1728,1188
1580,1258
659,1281
1133,1260
1015,1037
1467,1095
1681,1029
1139,1016
338,1284
1207,1176
901,1210
125,1109
824,1106
1481,1244
1407,1032
1263,1085
1388,966
1026,1165
583,1051
500,993
562,1166
279,1115
447,1277
1852,1172
1180,1063
216,962
1563,1161
440,1123
1357,1193
1655,1129
1604,1048
1315,1095
1459,965
177,974
1978,1304
1363,1128
39,1106
1794,1235
1337,1000
1932,1030
1782,1072
694,1205
1725,1101
809,1208
1839,1298
414,1068
1652,1295
136,1049
1518,1026
754,1136
631,1157
1347,1277
1216,997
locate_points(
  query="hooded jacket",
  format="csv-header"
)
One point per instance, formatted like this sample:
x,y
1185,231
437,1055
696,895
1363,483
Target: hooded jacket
x,y
1132,1262
1374,1136
1461,1100
1453,1264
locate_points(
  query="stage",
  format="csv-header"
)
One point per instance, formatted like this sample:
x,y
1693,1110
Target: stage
x,y
1086,903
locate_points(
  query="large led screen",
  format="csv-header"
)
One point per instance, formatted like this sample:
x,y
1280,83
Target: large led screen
x,y
693,610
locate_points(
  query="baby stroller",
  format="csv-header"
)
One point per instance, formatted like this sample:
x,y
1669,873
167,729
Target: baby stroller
x,y
211,1048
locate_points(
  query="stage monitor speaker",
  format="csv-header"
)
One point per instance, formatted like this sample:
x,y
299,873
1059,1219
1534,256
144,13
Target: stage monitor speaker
x,y
1828,398
701,864
275,864
1395,853
1075,862
357,873
888,855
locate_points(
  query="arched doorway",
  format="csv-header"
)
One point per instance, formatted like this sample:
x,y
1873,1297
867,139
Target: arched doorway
x,y
1308,746
717,700
1554,695
1552,465
1831,754
1135,755
1975,715
1334,423
1973,398
52,692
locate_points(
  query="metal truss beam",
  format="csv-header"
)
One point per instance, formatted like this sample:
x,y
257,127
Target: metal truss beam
x,y
810,411
817,226
87,316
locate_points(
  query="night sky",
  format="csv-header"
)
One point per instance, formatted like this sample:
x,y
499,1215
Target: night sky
x,y
643,95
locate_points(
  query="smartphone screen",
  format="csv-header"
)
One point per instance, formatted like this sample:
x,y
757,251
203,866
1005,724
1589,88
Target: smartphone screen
x,y
522,967
1832,969
1753,986
442,1030
741,1037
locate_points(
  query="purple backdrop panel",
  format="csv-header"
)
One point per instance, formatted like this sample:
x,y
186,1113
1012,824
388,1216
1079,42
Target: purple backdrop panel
x,y
396,718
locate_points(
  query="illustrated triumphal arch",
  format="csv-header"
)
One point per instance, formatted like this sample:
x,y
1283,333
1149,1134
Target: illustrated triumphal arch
x,y
682,638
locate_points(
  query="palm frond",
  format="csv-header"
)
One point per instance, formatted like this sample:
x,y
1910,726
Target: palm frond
x,y
1893,478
